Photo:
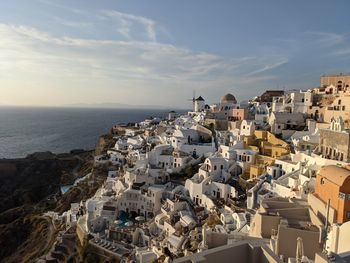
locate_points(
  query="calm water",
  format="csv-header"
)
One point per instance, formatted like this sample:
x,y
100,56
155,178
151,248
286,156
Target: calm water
x,y
27,130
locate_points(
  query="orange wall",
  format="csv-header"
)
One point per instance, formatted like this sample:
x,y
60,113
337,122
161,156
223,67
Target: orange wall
x,y
330,190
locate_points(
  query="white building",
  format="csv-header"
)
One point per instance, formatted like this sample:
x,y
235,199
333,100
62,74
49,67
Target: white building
x,y
261,114
280,121
196,141
209,183
293,102
247,128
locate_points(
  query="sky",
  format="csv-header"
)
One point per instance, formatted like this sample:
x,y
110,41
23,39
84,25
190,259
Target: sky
x,y
158,52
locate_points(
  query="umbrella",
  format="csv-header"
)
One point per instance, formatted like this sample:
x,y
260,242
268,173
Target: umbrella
x,y
139,218
129,223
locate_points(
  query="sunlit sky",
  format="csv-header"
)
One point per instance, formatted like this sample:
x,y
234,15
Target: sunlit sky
x,y
157,52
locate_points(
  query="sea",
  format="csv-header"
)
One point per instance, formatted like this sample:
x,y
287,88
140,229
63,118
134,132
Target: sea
x,y
24,130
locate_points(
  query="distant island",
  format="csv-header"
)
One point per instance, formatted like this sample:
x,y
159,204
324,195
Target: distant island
x,y
118,106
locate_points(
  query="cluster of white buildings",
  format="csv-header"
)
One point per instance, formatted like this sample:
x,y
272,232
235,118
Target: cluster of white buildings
x,y
225,176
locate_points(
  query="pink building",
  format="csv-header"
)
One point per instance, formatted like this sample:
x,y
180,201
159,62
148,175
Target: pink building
x,y
238,115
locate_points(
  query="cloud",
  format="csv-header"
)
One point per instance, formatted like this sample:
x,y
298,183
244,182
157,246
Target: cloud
x,y
342,52
103,68
126,24
55,4
268,66
70,23
326,38
127,21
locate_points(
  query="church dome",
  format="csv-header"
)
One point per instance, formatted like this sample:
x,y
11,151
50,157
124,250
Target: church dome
x,y
228,98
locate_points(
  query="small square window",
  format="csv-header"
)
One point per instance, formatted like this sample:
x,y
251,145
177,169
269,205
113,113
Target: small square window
x,y
342,195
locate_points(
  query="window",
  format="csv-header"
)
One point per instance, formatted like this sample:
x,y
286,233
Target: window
x,y
348,215
339,102
222,167
214,167
342,195
343,108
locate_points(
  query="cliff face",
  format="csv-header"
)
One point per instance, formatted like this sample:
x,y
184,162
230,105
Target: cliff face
x,y
83,191
25,238
28,187
104,142
29,180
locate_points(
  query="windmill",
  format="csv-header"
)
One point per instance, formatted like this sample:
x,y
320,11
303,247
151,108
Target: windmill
x,y
193,98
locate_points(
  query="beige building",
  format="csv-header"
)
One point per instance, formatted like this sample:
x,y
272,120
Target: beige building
x,y
283,220
335,141
340,81
237,252
340,107
338,240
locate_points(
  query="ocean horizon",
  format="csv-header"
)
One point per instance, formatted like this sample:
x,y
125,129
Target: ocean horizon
x,y
24,130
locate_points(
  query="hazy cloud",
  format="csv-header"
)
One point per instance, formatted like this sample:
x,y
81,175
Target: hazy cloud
x,y
120,65
268,66
126,22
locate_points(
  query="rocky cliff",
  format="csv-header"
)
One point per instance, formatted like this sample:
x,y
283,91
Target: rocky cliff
x,y
105,142
28,187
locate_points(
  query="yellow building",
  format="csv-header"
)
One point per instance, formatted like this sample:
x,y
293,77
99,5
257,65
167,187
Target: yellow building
x,y
269,148
267,143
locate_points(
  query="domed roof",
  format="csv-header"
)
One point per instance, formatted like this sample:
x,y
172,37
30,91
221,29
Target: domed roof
x,y
228,98
335,174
